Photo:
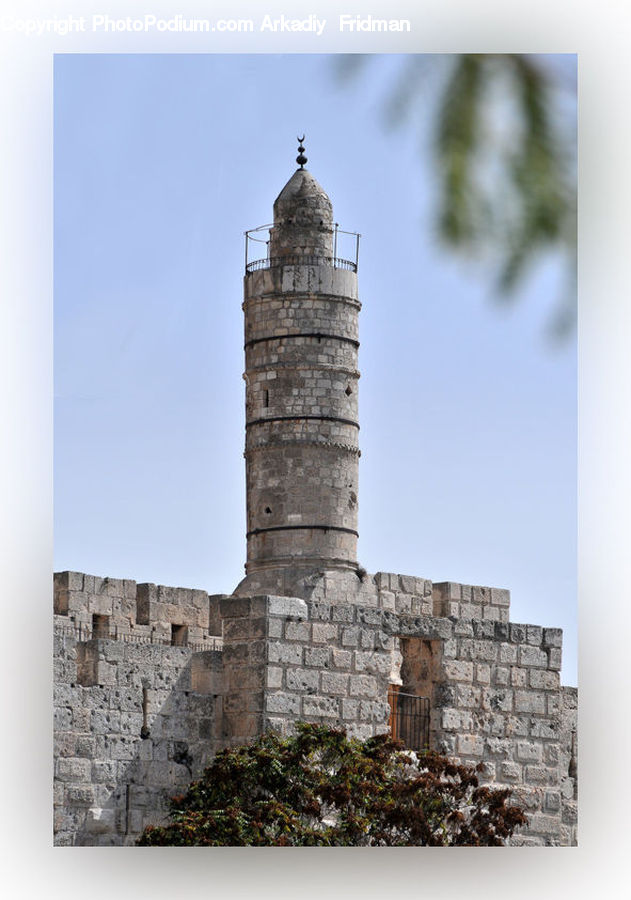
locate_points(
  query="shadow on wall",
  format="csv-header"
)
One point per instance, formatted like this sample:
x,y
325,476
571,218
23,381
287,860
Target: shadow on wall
x,y
134,726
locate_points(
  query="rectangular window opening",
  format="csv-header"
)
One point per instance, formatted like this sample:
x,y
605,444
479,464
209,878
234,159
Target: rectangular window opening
x,y
409,718
100,627
412,699
179,635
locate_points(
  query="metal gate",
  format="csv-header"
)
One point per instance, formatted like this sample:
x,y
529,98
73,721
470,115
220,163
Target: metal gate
x,y
409,718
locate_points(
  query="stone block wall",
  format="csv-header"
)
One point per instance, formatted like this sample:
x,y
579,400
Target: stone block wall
x,y
568,766
135,717
272,291
165,608
301,485
138,712
287,660
133,724
405,594
113,607
80,597
494,689
466,601
500,703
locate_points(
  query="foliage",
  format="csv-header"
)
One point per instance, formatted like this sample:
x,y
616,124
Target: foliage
x,y
321,788
503,148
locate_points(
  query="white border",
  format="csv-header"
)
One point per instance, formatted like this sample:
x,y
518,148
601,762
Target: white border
x,y
599,33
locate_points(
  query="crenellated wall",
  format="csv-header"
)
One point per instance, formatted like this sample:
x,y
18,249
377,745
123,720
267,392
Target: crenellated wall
x,y
151,681
137,702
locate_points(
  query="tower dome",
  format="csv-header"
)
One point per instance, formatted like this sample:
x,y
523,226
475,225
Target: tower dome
x,y
303,219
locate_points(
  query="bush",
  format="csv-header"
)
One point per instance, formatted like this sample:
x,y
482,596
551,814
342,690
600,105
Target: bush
x,y
321,788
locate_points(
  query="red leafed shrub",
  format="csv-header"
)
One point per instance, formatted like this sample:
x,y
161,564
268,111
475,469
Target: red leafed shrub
x,y
322,788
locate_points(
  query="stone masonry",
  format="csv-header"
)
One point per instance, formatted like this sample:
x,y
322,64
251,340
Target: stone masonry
x,y
151,681
137,716
301,342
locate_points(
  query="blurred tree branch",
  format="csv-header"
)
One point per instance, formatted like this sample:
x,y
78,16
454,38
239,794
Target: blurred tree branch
x,y
504,150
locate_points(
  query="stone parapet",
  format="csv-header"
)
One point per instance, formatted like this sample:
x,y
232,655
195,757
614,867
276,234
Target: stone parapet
x,y
326,281
112,607
466,601
136,716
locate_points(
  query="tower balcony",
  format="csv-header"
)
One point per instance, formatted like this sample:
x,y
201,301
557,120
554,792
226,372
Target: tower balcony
x,y
262,235
335,262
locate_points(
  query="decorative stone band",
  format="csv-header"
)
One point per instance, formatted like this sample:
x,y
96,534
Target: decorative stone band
x,y
328,445
253,566
318,334
304,367
300,418
302,528
264,298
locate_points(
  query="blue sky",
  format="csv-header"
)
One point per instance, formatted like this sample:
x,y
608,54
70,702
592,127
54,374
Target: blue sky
x,y
468,413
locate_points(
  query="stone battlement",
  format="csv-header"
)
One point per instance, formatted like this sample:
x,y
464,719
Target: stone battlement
x,y
151,681
109,607
123,607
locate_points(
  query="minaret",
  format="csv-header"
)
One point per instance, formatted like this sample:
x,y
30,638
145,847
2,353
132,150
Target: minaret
x,y
301,341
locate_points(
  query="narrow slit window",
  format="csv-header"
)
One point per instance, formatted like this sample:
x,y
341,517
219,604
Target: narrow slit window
x,y
265,399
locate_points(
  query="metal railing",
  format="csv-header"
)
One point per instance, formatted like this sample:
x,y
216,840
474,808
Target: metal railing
x,y
262,235
409,719
296,260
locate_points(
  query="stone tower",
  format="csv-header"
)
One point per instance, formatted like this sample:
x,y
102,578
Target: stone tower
x,y
151,681
301,341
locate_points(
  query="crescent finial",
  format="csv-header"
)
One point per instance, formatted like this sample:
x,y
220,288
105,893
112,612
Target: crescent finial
x,y
301,159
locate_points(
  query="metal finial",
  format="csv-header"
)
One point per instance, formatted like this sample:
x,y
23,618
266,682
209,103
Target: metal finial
x,y
301,158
